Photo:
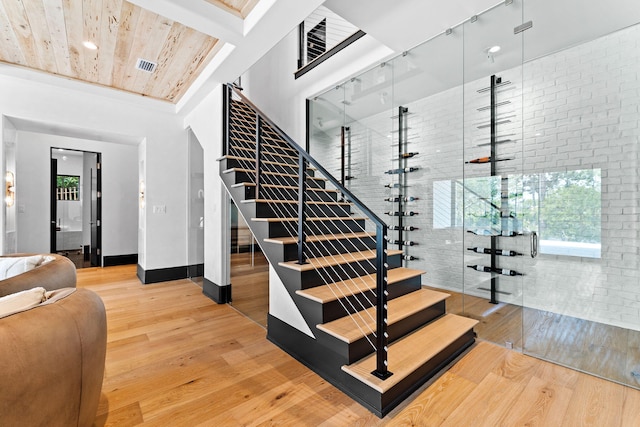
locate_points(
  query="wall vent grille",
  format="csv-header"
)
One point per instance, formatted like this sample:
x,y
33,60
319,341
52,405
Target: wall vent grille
x,y
145,65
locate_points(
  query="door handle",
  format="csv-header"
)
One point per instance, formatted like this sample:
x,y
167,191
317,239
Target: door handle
x,y
534,244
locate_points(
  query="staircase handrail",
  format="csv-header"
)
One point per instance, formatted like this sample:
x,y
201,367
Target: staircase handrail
x,y
381,227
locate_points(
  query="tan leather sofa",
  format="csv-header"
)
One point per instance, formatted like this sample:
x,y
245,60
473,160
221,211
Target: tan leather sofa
x,y
52,356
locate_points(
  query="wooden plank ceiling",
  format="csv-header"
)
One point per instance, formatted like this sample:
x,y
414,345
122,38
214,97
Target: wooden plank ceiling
x,y
48,35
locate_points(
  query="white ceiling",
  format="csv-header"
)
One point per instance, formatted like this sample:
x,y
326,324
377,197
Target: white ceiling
x,y
446,61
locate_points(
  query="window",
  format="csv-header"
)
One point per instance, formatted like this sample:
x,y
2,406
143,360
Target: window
x,y
565,208
68,187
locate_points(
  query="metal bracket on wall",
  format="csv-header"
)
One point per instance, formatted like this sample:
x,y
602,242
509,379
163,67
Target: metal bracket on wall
x,y
523,27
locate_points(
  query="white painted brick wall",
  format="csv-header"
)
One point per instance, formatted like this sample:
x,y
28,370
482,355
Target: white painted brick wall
x,y
576,109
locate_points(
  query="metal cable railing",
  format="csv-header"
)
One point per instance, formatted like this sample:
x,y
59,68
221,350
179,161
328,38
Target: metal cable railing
x,y
284,178
275,197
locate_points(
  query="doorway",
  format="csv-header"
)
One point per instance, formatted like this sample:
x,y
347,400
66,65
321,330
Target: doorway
x,y
76,206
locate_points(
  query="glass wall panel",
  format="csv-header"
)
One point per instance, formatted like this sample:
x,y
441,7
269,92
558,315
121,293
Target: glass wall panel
x,y
510,143
249,271
581,131
494,236
428,101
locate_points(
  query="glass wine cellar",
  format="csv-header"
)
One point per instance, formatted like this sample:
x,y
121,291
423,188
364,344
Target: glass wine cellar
x,y
504,153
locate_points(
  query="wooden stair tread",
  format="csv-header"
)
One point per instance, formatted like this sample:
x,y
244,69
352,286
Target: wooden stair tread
x,y
320,238
331,260
271,173
409,353
295,202
351,328
331,292
313,218
289,187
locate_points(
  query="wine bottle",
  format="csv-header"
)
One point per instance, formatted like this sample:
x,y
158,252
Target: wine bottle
x,y
407,155
507,272
409,243
501,252
349,177
401,170
486,160
393,242
481,232
483,268
410,258
392,185
392,199
410,199
405,228
480,250
396,213
505,252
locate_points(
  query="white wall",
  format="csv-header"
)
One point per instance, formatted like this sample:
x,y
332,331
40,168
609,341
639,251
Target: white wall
x,y
119,189
270,83
67,106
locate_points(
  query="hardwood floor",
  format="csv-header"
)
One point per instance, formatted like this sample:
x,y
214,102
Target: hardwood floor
x,y
175,358
250,285
605,350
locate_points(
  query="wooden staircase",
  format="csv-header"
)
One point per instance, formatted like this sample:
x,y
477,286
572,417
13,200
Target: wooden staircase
x,y
334,291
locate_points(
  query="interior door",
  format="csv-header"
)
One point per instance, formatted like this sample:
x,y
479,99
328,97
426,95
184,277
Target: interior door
x,y
54,205
96,212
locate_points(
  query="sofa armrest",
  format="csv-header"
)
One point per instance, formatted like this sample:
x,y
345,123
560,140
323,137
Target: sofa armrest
x,y
56,274
52,359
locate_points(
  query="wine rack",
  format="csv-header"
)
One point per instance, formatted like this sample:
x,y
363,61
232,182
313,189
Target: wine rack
x,y
399,230
506,229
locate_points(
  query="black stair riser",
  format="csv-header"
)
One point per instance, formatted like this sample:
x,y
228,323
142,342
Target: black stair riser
x,y
311,278
279,229
316,195
330,247
289,210
241,176
317,313
246,163
245,138
357,350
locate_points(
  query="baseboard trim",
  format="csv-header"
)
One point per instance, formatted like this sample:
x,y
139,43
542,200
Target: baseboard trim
x,y
162,274
110,261
219,294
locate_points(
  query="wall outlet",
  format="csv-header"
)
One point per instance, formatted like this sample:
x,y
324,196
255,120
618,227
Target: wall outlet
x,y
160,209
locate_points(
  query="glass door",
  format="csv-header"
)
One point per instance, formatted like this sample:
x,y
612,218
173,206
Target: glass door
x,y
580,182
494,234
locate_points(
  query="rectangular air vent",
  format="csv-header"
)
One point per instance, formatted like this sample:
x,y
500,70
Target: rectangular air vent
x,y
145,65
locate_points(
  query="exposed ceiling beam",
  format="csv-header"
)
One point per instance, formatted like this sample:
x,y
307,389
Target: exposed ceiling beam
x,y
199,15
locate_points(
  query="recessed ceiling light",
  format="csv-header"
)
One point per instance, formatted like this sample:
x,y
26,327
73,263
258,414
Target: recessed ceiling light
x,y
494,49
89,45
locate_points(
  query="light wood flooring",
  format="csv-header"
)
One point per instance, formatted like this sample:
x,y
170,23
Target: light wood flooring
x,y
175,358
604,350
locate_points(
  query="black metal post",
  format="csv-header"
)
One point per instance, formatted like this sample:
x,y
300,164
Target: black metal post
x,y
342,154
258,155
382,337
226,111
301,45
493,155
302,195
402,179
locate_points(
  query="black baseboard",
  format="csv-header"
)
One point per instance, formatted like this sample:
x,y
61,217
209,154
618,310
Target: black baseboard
x,y
110,261
196,270
162,274
220,294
